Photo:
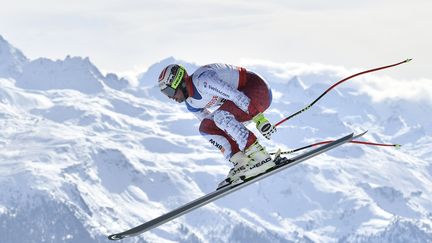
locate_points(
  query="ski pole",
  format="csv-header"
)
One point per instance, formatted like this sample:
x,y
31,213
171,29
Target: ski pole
x,y
326,142
336,84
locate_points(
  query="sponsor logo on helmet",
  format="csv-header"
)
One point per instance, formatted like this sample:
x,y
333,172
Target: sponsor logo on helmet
x,y
178,78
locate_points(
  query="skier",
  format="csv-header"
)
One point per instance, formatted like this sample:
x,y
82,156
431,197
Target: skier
x,y
237,96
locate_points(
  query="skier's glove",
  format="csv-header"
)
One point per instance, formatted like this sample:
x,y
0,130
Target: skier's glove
x,y
242,101
264,126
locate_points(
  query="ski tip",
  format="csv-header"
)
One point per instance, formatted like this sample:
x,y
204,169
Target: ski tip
x,y
397,146
408,60
361,134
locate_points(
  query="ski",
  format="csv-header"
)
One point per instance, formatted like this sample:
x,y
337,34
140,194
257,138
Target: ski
x,y
281,164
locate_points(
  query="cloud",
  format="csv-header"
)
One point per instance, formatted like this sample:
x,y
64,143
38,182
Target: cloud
x,y
383,87
378,86
291,69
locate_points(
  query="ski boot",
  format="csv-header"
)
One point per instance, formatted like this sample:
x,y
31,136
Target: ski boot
x,y
261,161
240,165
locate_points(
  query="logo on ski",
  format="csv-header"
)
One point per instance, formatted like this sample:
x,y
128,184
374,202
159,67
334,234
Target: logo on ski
x,y
261,163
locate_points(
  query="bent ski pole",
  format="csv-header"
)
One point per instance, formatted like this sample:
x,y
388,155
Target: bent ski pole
x,y
336,84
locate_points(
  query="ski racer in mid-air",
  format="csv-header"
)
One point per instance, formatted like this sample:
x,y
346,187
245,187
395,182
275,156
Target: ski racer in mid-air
x,y
237,96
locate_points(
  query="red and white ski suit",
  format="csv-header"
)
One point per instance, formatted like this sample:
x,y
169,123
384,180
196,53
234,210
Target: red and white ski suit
x,y
235,95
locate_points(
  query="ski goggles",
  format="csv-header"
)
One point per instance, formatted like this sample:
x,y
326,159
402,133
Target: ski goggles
x,y
168,91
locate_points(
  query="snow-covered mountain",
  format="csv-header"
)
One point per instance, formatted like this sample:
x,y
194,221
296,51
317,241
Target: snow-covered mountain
x,y
84,155
12,60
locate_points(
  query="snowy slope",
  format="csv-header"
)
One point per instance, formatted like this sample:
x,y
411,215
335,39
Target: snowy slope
x,y
84,155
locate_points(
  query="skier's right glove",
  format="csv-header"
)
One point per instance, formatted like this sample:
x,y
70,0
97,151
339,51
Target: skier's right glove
x,y
264,126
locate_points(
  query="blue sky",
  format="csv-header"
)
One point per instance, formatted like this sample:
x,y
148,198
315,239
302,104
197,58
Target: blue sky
x,y
128,35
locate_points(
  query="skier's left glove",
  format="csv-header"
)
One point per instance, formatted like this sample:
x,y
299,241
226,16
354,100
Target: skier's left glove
x,y
264,126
